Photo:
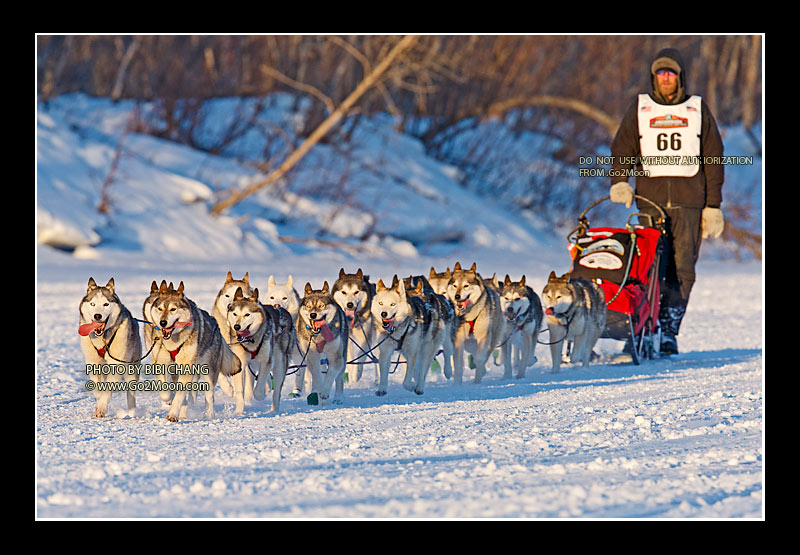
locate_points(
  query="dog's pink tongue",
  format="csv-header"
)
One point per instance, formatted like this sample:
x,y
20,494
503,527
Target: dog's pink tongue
x,y
326,333
549,312
86,329
244,334
181,324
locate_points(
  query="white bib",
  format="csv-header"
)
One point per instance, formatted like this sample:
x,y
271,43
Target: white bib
x,y
669,136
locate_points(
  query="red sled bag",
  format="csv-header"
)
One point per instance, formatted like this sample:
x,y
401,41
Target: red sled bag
x,y
620,261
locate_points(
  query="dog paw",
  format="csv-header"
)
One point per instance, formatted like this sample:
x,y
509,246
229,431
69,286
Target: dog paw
x,y
172,418
380,393
98,413
419,392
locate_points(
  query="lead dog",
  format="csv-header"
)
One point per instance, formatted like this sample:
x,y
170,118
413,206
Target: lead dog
x,y
193,339
108,335
152,337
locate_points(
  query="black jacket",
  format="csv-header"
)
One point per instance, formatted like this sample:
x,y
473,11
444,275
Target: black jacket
x,y
701,190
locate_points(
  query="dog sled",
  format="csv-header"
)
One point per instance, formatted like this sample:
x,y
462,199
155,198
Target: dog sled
x,y
625,262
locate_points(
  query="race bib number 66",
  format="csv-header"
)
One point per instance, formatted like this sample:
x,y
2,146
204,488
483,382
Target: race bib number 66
x,y
669,137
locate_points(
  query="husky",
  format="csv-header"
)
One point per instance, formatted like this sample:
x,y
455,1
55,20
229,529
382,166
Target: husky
x,y
108,335
152,337
225,298
195,343
407,326
354,293
494,283
481,322
263,338
444,316
575,311
284,295
522,309
219,312
439,281
322,337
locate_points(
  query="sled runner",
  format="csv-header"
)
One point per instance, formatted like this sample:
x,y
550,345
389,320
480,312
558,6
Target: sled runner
x,y
625,262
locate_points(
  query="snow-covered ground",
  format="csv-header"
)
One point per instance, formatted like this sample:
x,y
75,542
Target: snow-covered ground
x,y
676,438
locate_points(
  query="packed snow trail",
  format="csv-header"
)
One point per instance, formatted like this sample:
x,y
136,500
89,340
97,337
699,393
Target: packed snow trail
x,y
681,437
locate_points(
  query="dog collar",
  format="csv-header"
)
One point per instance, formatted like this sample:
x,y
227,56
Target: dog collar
x,y
254,354
471,325
106,346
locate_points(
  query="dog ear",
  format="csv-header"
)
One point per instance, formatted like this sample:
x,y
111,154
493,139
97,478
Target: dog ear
x,y
401,288
474,268
457,267
380,286
308,289
153,287
289,281
447,274
110,285
254,296
180,288
341,273
507,280
432,273
271,281
163,289
92,284
522,281
360,274
418,288
246,278
552,276
229,277
325,289
394,281
238,295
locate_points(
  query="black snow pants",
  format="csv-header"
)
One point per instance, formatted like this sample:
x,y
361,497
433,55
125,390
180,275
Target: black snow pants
x,y
678,259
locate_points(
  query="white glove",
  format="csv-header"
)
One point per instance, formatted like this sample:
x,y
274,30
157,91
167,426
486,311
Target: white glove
x,y
622,192
713,222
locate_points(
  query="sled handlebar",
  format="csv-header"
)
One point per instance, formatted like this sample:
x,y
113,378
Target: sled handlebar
x,y
583,224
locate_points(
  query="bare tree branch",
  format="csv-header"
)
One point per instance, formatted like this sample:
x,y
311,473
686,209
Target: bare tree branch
x,y
274,73
368,81
609,123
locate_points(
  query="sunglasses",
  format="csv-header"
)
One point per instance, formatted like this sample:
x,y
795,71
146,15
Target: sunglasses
x,y
662,71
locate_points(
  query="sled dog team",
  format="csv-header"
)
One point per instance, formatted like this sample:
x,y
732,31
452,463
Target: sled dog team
x,y
252,339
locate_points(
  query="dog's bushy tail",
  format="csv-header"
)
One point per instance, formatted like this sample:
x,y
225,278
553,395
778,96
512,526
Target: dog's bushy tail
x,y
231,365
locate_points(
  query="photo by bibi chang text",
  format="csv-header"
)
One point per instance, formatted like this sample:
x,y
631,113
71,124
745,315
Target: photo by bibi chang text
x,y
146,369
